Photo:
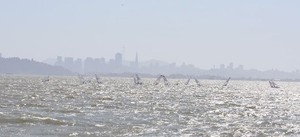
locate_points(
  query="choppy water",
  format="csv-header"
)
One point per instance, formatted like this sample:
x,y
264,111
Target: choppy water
x,y
64,107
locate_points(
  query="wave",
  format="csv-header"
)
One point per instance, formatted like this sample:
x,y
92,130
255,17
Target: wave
x,y
33,120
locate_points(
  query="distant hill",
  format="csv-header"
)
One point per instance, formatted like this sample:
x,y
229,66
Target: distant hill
x,y
25,66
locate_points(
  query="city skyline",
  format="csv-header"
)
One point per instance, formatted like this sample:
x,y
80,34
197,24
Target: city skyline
x,y
93,63
118,67
131,62
149,67
258,34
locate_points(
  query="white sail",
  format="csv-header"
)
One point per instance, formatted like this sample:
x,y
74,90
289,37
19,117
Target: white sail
x,y
166,82
273,84
137,80
226,82
98,79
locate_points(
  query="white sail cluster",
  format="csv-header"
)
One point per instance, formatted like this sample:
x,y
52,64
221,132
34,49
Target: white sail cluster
x,y
138,81
273,84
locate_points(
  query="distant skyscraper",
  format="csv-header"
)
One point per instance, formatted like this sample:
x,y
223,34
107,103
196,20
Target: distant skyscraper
x,y
78,66
0,55
118,59
222,66
111,62
102,60
97,63
230,66
241,67
69,63
89,65
136,60
103,65
59,61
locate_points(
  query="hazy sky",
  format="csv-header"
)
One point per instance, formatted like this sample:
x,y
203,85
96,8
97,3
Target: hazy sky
x,y
262,34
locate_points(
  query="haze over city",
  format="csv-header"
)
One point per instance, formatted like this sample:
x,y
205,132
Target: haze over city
x,y
80,68
257,34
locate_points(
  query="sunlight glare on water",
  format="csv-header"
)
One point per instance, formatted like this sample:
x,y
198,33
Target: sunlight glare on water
x,y
64,107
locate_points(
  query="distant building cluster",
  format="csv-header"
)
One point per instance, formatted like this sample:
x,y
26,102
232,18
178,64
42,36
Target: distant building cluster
x,y
229,70
96,65
119,65
230,67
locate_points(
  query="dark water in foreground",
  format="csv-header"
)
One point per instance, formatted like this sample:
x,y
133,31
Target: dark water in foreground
x,y
63,107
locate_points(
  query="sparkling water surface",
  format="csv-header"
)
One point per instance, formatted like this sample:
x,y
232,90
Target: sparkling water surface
x,y
64,107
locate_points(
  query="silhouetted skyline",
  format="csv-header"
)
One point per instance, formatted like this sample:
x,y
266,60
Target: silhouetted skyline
x,y
118,66
259,34
15,65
